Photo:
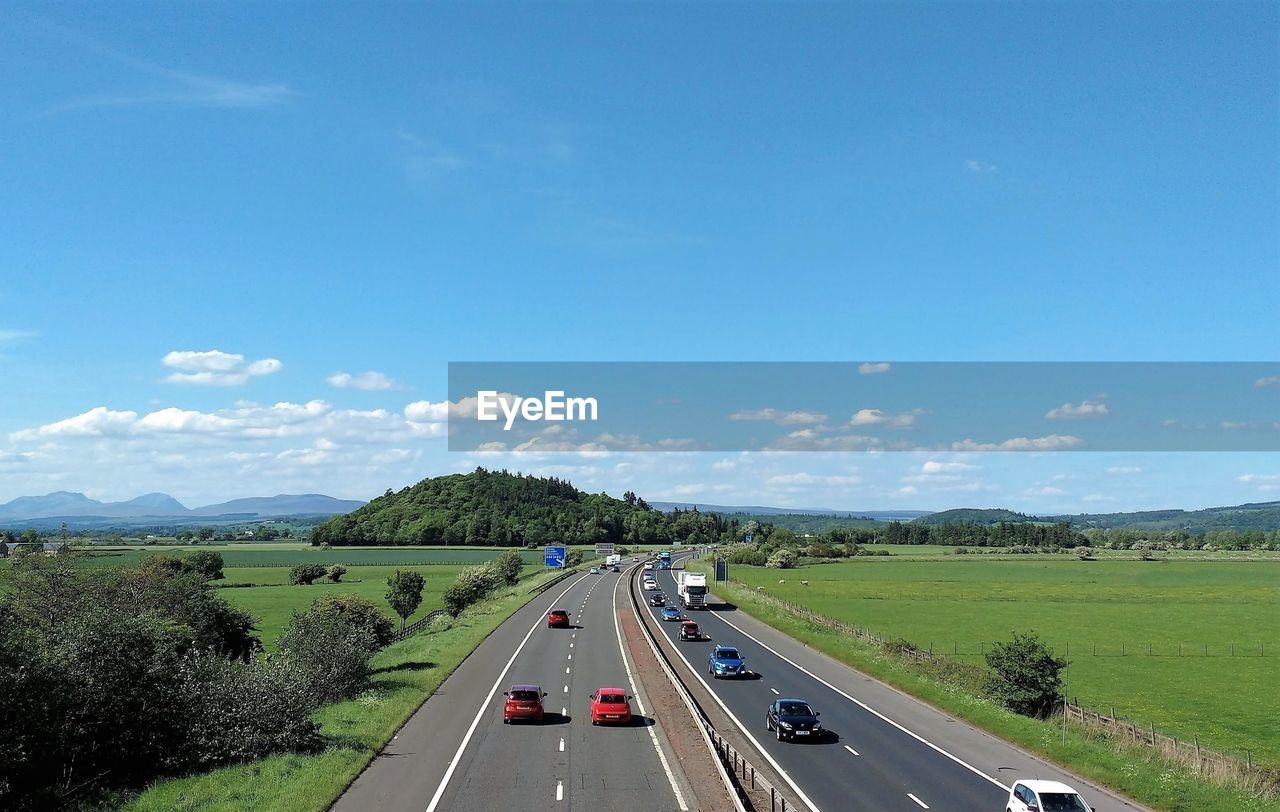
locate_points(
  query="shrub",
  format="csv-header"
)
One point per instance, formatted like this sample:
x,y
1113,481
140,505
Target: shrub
x,y
573,558
306,574
336,572
782,559
472,584
1084,553
749,556
206,562
1025,676
508,566
359,612
329,655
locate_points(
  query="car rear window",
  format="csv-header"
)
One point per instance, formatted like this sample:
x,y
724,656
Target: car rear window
x,y
524,696
613,699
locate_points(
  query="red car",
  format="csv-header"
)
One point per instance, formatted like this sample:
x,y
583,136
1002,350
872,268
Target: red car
x,y
690,631
557,619
523,702
610,706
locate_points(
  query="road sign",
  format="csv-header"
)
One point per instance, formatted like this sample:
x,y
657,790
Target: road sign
x,y
748,537
604,549
722,569
553,556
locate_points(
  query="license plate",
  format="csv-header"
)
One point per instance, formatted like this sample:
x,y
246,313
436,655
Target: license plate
x,y
802,733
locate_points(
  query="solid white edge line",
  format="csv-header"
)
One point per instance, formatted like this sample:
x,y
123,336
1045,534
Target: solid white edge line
x,y
457,756
864,705
662,757
922,804
744,731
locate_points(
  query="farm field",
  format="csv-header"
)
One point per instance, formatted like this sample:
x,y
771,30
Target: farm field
x,y
291,554
1091,610
272,599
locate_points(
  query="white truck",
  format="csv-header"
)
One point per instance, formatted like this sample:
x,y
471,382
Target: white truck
x,y
613,561
692,589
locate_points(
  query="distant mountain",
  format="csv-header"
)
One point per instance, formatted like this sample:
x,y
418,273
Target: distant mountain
x,y
78,509
760,510
974,516
284,504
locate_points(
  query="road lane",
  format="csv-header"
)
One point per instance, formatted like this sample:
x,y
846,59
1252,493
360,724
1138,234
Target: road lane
x,y
874,764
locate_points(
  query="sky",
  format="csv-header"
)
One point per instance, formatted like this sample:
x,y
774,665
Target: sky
x,y
240,243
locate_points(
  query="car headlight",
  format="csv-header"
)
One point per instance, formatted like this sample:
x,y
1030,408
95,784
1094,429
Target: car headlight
x,y
817,725
784,725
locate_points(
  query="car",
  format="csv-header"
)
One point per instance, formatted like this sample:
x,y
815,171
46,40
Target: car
x,y
523,702
610,706
615,568
726,661
690,631
648,565
670,613
558,619
793,719
1044,796
658,600
650,584
595,570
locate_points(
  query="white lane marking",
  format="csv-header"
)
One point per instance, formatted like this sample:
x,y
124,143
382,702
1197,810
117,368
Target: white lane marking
x,y
562,745
570,656
571,645
922,804
462,746
566,670
851,750
662,757
566,689
559,790
743,730
866,707
564,711
775,691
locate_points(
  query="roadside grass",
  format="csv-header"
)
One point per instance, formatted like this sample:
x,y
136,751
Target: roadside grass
x,y
407,673
1134,771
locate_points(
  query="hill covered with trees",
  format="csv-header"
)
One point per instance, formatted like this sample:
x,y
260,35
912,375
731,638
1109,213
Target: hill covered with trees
x,y
500,509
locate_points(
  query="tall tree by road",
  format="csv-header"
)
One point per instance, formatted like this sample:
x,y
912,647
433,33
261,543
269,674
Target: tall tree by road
x,y
404,593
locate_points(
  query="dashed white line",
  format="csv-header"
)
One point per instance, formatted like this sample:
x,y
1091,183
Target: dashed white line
x,y
570,656
566,670
775,691
484,706
921,803
562,745
851,750
559,790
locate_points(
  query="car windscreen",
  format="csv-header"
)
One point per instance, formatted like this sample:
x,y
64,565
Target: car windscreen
x,y
613,699
728,654
1062,802
524,696
795,709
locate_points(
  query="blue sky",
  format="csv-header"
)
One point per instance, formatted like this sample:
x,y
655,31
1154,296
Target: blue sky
x,y
345,188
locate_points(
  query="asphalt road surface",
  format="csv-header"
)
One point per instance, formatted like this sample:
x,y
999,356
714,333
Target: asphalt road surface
x,y
456,754
885,750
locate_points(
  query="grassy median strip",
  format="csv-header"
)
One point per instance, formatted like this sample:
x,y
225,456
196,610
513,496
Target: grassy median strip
x,y
1134,771
406,674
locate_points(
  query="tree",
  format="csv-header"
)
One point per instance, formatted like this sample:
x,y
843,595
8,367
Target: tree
x,y
782,558
508,566
404,593
336,572
307,574
206,562
1084,553
357,611
204,533
331,653
572,558
1025,676
472,584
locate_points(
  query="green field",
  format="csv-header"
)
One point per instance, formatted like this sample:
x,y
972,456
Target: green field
x,y
963,603
291,554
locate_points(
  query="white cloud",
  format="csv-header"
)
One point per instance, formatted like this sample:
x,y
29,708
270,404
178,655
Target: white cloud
x,y
1123,469
813,440
878,368
1078,411
1271,380
876,417
781,418
368,381
97,422
1044,490
216,368
979,167
802,479
1051,442
1258,478
935,467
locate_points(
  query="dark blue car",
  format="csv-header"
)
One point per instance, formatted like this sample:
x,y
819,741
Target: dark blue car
x,y
670,613
726,661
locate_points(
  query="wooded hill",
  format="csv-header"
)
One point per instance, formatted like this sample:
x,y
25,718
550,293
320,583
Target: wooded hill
x,y
501,509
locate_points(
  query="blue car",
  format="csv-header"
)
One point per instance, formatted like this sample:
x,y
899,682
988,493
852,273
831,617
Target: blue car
x,y
670,613
726,661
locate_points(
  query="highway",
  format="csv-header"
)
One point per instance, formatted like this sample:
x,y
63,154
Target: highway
x,y
889,751
456,753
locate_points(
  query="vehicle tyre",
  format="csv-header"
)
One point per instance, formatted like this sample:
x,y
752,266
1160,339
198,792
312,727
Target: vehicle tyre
x,y
779,731
767,724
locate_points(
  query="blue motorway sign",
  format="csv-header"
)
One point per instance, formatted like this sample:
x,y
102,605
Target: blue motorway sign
x,y
553,556
748,537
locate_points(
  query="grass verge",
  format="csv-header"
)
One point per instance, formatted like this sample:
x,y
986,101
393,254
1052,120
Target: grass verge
x,y
1133,771
406,674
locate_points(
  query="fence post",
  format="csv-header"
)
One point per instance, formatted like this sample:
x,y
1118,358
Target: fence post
x,y
1199,762
1153,734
